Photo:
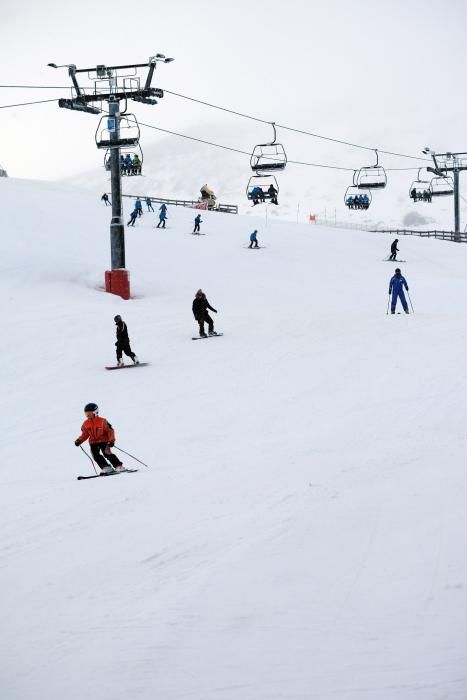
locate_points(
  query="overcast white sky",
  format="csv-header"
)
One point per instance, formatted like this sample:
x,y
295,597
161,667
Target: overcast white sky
x,y
389,74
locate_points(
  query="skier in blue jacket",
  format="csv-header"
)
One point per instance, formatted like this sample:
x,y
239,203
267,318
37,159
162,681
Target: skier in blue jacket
x,y
162,216
139,207
149,204
396,286
253,240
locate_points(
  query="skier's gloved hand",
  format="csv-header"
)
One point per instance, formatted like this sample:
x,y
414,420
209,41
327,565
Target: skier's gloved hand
x,y
111,443
77,443
215,311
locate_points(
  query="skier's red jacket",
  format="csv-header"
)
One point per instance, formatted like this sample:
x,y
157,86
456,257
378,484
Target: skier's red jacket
x,y
97,429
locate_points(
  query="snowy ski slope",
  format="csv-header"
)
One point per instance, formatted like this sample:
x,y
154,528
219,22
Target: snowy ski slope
x,y
301,532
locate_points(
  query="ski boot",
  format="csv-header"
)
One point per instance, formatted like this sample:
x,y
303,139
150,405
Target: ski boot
x,y
203,335
107,470
120,363
119,468
135,360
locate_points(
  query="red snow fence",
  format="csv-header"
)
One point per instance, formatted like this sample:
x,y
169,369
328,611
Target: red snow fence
x,y
118,282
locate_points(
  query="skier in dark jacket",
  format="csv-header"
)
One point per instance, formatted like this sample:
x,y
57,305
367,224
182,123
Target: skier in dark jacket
x,y
197,223
200,312
105,198
123,342
394,250
272,192
133,217
149,204
396,286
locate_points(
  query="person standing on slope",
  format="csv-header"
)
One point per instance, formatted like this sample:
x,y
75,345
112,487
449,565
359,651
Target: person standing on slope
x,y
200,312
101,438
105,198
198,221
396,286
394,250
139,207
133,217
162,216
253,240
123,342
149,204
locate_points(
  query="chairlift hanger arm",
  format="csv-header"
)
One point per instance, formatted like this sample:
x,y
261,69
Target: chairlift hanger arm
x,y
133,65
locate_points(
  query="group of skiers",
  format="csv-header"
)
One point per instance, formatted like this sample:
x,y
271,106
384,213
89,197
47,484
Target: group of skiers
x,y
129,165
99,431
358,201
259,196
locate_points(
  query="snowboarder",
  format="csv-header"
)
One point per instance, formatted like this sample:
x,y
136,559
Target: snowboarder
x,y
394,250
396,286
149,204
139,207
200,312
253,240
133,217
162,216
105,198
123,342
198,221
272,192
101,438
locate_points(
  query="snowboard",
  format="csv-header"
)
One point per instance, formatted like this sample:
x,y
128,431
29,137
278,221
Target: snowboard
x,y
140,364
247,247
196,234
98,476
393,261
216,335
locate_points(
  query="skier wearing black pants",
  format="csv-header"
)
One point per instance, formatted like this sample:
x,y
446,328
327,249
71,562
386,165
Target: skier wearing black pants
x,y
200,312
123,342
394,249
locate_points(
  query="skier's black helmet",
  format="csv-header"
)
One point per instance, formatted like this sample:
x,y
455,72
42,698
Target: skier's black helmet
x,y
117,319
398,270
91,407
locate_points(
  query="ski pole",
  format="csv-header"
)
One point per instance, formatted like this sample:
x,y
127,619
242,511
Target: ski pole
x,y
89,457
387,310
132,456
410,301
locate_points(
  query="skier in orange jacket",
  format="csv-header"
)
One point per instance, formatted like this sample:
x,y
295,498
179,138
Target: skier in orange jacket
x,y
101,438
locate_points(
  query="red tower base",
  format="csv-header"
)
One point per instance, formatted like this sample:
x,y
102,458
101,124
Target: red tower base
x,y
118,282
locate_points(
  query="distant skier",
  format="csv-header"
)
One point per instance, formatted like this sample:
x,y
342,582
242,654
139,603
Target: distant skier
x,y
394,250
396,286
162,216
128,163
105,198
253,240
139,207
198,221
123,342
101,438
133,217
272,192
200,312
149,204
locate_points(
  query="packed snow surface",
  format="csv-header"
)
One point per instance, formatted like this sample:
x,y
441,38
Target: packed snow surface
x,y
301,531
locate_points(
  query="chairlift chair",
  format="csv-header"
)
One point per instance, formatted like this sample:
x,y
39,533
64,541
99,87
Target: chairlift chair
x,y
268,157
442,186
263,182
371,177
129,132
420,190
356,198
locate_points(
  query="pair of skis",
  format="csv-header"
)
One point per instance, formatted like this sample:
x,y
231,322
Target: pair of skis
x,y
98,476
